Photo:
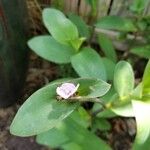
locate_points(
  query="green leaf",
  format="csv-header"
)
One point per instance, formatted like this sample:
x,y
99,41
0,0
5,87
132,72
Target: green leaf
x,y
61,28
142,51
146,80
101,124
91,88
82,117
123,79
71,146
40,112
138,146
137,92
87,63
138,6
124,110
49,49
116,23
106,114
52,138
142,111
110,67
81,25
107,47
82,136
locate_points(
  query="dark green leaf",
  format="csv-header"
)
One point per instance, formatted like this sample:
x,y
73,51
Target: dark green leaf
x,y
101,124
49,49
116,23
81,25
123,79
107,47
143,51
87,63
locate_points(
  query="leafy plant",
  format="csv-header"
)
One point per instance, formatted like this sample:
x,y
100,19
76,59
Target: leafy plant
x,y
60,121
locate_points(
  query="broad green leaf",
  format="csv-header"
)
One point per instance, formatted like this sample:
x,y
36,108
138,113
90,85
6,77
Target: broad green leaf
x,y
40,112
142,111
146,80
49,49
142,51
124,110
81,25
87,63
123,79
138,6
110,67
107,47
116,23
82,136
61,28
52,138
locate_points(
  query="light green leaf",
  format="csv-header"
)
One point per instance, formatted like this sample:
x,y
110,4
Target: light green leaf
x,y
107,47
142,51
110,67
123,79
52,138
146,80
71,146
61,28
137,92
40,112
142,111
87,63
81,25
116,23
124,110
49,49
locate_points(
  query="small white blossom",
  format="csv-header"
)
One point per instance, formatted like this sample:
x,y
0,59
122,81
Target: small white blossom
x,y
66,90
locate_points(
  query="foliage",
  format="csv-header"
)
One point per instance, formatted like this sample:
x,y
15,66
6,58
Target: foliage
x,y
64,123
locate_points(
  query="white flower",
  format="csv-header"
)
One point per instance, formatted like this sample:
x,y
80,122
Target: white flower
x,y
66,90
